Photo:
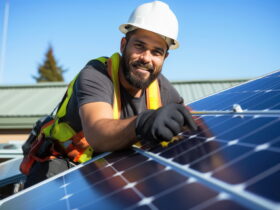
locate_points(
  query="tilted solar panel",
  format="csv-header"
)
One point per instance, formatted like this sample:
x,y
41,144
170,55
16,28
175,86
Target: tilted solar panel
x,y
9,172
232,162
260,94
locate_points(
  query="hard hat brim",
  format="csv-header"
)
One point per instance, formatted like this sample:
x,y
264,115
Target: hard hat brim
x,y
127,27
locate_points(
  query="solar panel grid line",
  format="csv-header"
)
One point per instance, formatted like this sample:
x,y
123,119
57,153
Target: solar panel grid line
x,y
245,123
206,156
235,141
228,102
134,167
186,151
210,171
193,150
104,197
132,186
247,87
225,165
250,200
263,175
151,199
231,87
148,176
51,179
66,194
168,188
87,205
253,102
167,191
221,196
256,147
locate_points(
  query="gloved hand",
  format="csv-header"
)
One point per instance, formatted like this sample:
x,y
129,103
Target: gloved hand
x,y
164,123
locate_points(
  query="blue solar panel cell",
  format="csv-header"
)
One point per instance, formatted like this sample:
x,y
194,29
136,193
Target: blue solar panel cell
x,y
258,94
264,134
196,153
38,197
248,167
219,158
61,204
276,144
185,196
247,129
120,200
94,191
119,155
181,147
90,179
262,100
87,170
129,162
142,207
144,170
226,204
160,182
268,187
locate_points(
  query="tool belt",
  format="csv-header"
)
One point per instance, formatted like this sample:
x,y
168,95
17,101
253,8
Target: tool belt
x,y
38,147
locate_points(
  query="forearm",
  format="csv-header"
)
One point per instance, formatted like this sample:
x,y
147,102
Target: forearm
x,y
110,135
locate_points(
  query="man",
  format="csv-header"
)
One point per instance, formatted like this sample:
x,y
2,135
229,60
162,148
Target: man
x,y
117,102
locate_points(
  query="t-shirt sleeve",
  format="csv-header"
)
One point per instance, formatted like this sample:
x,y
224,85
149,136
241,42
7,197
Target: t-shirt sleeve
x,y
168,92
93,85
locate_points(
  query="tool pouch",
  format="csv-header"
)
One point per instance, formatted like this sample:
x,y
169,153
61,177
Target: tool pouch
x,y
34,134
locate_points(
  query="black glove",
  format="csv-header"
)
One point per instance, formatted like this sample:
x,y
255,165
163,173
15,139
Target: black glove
x,y
164,123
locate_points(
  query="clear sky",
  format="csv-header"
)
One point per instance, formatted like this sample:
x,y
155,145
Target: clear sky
x,y
219,39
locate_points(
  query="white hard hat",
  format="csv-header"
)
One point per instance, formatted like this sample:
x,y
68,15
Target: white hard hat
x,y
156,17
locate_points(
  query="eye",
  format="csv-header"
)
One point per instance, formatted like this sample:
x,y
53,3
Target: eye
x,y
138,46
157,53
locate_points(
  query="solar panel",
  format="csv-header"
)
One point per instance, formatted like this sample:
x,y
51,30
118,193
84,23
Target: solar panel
x,y
260,94
231,162
9,172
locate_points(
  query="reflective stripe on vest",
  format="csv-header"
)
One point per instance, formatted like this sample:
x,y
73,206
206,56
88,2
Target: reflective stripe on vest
x,y
74,144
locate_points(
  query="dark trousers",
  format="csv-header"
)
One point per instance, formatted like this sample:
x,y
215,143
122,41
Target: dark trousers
x,y
45,170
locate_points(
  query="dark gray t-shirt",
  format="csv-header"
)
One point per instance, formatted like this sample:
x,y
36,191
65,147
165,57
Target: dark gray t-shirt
x,y
94,85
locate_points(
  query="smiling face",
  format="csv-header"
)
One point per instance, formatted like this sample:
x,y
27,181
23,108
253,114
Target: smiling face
x,y
143,56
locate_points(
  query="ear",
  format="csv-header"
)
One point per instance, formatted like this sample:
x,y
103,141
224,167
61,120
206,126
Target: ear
x,y
123,44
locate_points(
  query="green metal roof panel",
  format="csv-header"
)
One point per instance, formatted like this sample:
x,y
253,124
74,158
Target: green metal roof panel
x,y
30,100
18,122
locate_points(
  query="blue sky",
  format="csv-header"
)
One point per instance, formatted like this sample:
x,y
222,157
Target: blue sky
x,y
219,39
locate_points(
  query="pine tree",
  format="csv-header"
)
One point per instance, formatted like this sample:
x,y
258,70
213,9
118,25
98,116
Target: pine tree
x,y
49,71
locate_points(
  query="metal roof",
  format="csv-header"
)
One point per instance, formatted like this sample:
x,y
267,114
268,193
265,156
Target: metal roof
x,y
22,105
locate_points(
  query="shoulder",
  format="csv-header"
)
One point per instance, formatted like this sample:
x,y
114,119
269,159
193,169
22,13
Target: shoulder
x,y
168,93
94,73
93,84
94,70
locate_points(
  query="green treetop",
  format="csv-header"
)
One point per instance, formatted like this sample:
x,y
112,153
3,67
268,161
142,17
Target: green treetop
x,y
49,71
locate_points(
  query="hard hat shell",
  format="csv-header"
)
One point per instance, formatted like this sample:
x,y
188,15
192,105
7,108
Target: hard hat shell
x,y
156,17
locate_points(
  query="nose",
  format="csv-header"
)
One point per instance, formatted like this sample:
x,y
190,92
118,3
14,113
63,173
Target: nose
x,y
146,56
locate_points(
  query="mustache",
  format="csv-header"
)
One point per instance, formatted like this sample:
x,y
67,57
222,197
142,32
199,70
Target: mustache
x,y
140,64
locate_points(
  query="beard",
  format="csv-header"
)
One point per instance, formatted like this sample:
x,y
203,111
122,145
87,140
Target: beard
x,y
136,80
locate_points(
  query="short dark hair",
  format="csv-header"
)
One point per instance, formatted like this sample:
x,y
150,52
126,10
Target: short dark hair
x,y
130,33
